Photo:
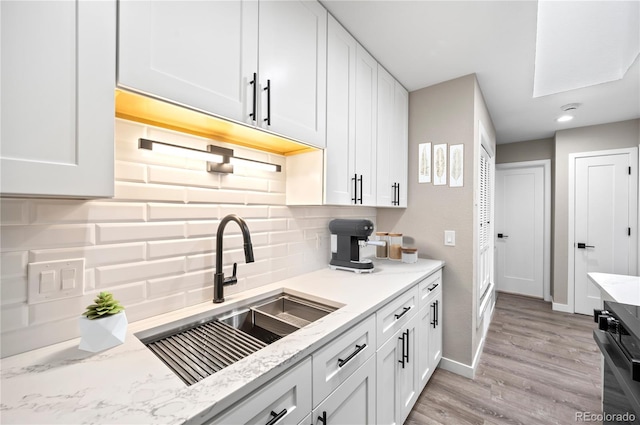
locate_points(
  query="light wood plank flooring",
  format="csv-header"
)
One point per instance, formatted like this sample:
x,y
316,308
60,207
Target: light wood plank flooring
x,y
538,367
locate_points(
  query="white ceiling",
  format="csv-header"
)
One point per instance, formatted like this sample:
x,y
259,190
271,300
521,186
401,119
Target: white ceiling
x,y
427,42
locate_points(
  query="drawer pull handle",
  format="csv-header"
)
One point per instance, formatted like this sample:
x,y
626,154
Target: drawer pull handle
x,y
276,417
323,418
404,356
352,355
404,311
432,287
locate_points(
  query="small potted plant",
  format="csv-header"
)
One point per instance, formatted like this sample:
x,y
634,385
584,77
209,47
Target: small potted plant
x,y
103,325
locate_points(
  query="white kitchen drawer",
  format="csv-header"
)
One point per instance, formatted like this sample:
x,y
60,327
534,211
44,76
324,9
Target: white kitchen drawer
x,y
428,287
336,361
289,392
395,314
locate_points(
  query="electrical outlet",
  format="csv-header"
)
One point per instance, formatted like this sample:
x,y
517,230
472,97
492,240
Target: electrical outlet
x,y
53,280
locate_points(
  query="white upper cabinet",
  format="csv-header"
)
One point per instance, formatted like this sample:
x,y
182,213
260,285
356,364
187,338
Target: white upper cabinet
x,y
293,69
350,156
393,107
200,54
58,77
258,63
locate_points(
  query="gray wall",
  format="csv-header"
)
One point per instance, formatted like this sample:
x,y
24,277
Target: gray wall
x,y
444,113
531,150
617,135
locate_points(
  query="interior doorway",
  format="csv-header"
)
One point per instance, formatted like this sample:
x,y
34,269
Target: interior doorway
x,y
522,229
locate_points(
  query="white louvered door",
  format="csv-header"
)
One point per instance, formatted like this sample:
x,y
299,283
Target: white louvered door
x,y
485,257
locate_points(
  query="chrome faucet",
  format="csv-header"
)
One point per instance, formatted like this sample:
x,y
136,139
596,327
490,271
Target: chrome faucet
x,y
219,281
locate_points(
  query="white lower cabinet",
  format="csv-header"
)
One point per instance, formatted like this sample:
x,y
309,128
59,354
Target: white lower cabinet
x,y
430,327
285,400
396,370
353,402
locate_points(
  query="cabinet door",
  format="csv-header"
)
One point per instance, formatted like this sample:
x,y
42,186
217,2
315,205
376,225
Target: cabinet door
x,y
293,63
397,372
424,359
287,396
354,402
57,103
365,124
386,195
201,54
341,132
398,155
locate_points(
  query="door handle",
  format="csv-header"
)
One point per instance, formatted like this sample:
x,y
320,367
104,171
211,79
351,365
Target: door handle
x,y
582,245
502,236
355,188
254,83
268,90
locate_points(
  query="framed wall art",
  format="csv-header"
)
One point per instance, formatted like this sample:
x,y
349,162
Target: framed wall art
x,y
424,163
456,165
440,164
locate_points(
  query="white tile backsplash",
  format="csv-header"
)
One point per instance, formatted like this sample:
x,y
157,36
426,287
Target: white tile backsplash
x,y
153,245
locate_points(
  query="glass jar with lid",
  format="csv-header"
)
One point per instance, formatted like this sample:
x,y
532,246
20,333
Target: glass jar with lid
x,y
395,246
382,251
409,255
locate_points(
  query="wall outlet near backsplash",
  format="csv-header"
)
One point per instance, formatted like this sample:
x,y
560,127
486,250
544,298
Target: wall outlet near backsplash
x,y
54,280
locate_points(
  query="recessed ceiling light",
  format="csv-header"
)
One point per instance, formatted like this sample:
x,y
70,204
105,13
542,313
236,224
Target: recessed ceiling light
x,y
564,118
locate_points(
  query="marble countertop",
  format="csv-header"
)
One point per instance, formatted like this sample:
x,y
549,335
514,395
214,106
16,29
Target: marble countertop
x,y
619,288
129,384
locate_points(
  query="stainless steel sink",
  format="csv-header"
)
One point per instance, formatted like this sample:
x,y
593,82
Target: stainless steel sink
x,y
199,346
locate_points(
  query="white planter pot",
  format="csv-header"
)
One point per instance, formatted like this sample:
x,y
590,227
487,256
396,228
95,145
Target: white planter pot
x,y
100,334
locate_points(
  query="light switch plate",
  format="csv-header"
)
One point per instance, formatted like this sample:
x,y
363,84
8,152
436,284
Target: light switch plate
x,y
53,280
450,237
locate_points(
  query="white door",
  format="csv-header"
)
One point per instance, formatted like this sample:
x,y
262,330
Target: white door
x,y
202,54
293,68
519,215
604,222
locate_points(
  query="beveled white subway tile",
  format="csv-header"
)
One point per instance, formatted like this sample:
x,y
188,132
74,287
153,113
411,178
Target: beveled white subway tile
x,y
162,287
309,223
125,273
181,177
231,181
129,131
159,211
271,225
257,267
155,307
199,295
271,251
266,198
98,255
315,234
13,264
149,192
285,237
13,290
89,280
128,294
256,281
36,336
215,196
283,262
279,212
294,247
245,211
126,232
200,262
131,172
207,228
237,288
59,309
14,211
19,238
63,211
180,247
14,316
277,186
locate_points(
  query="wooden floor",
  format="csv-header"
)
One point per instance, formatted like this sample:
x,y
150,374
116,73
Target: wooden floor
x,y
538,367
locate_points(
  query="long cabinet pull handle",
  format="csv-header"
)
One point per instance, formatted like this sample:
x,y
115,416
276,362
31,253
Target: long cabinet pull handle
x,y
360,199
276,417
401,361
398,190
404,311
393,186
437,311
323,418
434,307
407,342
354,179
268,90
352,355
254,104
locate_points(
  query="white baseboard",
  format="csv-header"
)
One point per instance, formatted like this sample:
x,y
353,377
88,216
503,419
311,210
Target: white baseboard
x,y
457,368
564,308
